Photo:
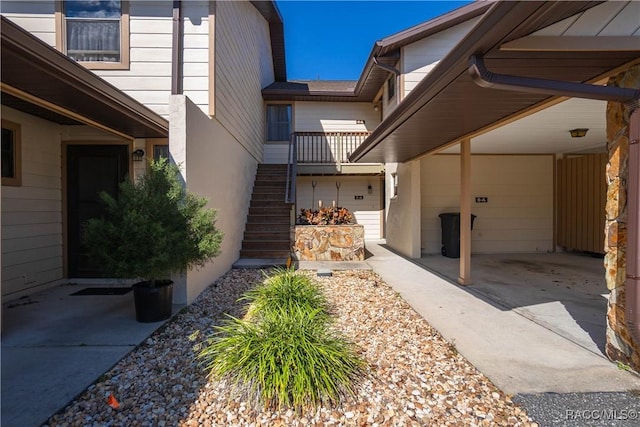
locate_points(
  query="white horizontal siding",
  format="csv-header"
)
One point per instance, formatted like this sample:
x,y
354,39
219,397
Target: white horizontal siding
x,y
243,67
419,58
518,216
334,116
37,17
367,211
276,153
32,212
196,53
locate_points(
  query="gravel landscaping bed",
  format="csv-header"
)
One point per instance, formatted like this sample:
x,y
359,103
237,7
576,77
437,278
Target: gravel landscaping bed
x,y
414,377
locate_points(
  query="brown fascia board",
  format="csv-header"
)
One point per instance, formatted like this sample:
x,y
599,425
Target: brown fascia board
x,y
388,49
269,10
433,26
65,69
499,21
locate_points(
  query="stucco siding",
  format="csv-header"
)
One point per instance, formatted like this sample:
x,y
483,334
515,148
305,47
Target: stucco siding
x,y
419,58
32,212
243,67
403,209
518,215
367,211
196,143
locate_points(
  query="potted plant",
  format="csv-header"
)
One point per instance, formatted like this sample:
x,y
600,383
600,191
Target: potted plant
x,y
152,229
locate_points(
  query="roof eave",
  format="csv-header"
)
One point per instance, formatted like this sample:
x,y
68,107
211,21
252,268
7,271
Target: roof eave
x,y
54,66
488,31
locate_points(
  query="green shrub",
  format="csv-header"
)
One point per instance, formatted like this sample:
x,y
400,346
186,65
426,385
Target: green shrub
x,y
153,228
287,354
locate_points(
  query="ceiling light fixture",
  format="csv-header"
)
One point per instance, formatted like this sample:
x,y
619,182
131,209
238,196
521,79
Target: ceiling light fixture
x,y
578,133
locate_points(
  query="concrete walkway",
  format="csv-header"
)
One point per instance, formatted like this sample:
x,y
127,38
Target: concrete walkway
x,y
55,345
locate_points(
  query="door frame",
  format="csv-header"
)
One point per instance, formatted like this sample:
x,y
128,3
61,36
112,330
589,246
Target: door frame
x,y
65,197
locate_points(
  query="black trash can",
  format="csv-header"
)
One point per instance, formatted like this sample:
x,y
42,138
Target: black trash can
x,y
450,222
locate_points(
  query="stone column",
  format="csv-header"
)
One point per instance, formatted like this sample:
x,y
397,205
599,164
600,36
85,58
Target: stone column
x,y
620,345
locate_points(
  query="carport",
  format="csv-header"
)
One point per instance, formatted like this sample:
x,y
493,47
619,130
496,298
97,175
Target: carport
x,y
516,85
562,292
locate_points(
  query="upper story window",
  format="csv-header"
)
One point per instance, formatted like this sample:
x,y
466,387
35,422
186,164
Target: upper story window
x,y
11,149
95,32
391,88
278,122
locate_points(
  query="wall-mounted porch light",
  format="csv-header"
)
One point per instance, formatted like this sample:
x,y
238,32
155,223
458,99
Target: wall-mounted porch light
x,y
578,133
138,155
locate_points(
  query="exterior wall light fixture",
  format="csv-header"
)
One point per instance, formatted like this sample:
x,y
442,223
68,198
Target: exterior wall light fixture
x,y
138,155
578,133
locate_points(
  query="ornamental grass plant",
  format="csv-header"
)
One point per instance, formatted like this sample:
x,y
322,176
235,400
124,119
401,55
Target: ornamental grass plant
x,y
284,290
286,353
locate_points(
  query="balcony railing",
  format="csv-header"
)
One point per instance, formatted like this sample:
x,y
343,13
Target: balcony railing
x,y
327,147
319,148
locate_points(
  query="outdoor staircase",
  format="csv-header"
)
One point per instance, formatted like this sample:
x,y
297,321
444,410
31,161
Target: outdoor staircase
x,y
266,237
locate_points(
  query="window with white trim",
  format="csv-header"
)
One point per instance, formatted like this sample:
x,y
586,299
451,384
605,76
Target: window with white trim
x,y
95,32
279,122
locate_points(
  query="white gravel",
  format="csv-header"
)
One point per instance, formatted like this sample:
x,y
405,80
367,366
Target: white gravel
x,y
414,376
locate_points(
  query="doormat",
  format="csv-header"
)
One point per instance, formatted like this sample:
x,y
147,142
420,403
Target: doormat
x,y
102,291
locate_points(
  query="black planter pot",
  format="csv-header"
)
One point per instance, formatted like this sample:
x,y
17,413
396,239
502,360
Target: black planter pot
x,y
153,303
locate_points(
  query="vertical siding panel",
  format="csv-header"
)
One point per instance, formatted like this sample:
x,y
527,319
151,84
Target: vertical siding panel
x,y
592,189
572,202
584,202
560,203
602,199
582,195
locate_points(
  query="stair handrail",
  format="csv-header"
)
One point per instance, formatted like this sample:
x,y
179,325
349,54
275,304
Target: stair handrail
x,y
292,162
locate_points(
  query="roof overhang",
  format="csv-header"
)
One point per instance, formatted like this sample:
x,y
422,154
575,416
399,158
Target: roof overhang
x,y
447,106
41,81
385,51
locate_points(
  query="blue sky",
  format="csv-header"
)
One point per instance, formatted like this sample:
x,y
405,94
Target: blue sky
x,y
331,40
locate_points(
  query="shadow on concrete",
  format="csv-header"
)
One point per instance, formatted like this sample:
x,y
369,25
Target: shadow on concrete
x,y
563,292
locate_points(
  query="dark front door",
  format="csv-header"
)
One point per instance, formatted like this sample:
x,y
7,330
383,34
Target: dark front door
x,y
91,169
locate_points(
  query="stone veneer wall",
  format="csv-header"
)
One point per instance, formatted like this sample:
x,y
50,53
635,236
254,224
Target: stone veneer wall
x,y
620,345
328,242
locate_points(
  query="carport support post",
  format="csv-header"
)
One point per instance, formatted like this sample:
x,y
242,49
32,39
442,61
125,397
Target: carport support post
x,y
465,212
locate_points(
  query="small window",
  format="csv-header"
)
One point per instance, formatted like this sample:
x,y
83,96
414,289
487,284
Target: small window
x,y
160,151
96,32
158,148
391,87
11,150
278,122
